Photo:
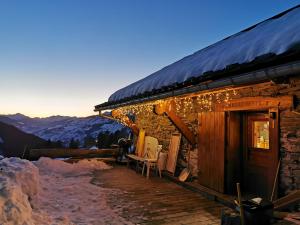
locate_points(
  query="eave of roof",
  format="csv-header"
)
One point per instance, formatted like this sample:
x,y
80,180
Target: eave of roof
x,y
232,70
257,76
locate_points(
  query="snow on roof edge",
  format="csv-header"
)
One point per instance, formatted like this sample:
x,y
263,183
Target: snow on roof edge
x,y
272,36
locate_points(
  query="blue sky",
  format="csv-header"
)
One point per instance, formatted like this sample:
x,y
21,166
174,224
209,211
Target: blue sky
x,y
65,56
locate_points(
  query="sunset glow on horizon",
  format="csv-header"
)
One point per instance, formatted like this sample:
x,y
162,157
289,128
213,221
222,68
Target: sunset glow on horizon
x,y
64,57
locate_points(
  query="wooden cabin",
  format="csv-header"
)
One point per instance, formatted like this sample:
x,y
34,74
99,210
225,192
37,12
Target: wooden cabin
x,y
236,103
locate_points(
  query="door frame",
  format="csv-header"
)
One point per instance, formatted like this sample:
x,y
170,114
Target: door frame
x,y
271,155
235,156
247,104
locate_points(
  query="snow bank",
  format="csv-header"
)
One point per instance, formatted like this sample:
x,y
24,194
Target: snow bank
x,y
68,196
85,166
53,192
23,173
18,183
14,205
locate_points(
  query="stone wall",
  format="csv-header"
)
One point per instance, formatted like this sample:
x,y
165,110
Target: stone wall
x,y
290,140
161,127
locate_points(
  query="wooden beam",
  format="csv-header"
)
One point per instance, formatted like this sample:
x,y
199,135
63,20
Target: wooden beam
x,y
290,199
169,109
254,103
125,119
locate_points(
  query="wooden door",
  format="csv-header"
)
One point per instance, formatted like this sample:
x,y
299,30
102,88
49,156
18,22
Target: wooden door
x,y
260,153
211,146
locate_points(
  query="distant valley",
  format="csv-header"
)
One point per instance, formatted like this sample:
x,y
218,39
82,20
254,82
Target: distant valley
x,y
63,128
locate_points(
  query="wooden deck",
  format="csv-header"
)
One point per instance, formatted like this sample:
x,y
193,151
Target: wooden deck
x,y
155,200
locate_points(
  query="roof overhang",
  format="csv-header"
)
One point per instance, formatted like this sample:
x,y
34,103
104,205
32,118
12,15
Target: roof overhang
x,y
257,76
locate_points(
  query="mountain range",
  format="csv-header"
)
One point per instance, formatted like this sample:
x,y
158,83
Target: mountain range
x,y
63,128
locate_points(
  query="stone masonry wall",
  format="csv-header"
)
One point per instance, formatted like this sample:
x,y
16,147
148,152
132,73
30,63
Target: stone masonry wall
x,y
161,127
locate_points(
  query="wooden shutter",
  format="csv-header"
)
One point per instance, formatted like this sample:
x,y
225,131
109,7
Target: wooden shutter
x,y
211,149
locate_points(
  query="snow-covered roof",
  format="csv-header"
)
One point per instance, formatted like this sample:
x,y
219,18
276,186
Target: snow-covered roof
x,y
275,36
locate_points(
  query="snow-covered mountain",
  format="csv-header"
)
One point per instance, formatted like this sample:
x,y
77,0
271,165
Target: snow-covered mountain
x,y
63,128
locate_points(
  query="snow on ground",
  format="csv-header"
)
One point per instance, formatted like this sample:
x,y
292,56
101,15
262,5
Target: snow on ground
x,y
53,192
49,166
18,184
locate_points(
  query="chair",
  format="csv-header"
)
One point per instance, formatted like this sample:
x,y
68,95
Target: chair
x,y
150,143
151,160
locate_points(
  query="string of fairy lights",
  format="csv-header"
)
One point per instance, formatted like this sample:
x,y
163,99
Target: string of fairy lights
x,y
183,105
134,110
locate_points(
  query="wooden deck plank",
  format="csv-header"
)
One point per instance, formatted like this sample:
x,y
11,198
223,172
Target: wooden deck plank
x,y
156,201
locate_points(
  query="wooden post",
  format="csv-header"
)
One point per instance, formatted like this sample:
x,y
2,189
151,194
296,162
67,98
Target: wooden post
x,y
240,203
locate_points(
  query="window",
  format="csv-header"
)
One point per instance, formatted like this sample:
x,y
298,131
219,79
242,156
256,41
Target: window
x,y
260,134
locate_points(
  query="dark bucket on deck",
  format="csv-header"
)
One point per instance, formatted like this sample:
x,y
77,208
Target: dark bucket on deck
x,y
254,214
258,214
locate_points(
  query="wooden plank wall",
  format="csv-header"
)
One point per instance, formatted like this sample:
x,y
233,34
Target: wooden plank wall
x,y
211,147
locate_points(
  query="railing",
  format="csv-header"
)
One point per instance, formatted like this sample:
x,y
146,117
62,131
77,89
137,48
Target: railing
x,y
66,153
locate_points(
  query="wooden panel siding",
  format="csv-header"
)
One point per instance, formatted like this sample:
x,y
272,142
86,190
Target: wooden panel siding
x,y
211,146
